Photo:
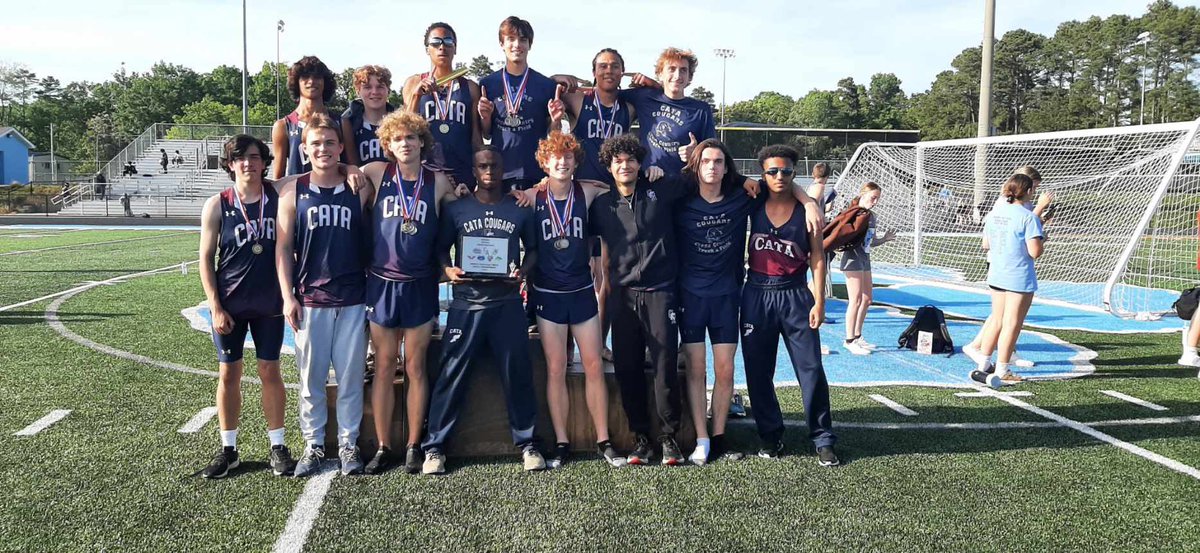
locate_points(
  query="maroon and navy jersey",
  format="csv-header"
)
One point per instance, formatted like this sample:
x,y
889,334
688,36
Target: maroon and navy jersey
x,y
453,148
778,255
396,255
246,282
331,246
297,161
593,127
712,239
569,269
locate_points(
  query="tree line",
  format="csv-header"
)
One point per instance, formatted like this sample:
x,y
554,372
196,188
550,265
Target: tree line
x,y
1089,74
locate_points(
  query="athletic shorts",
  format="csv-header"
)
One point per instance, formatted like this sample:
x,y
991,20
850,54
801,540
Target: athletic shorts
x,y
855,259
401,304
566,308
267,334
718,315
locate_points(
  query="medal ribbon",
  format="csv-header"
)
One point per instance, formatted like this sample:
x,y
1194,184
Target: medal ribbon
x,y
251,231
558,222
606,130
408,204
514,106
443,112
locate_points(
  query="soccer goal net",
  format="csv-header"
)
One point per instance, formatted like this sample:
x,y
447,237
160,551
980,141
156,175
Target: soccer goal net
x,y
1122,235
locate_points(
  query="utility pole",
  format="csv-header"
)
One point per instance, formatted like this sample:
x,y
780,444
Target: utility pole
x,y
724,54
985,105
245,73
278,31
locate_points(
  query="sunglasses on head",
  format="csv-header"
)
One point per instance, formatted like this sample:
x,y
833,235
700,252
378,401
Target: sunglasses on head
x,y
441,41
785,171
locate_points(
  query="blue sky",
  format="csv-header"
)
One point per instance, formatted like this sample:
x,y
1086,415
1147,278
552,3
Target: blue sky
x,y
786,46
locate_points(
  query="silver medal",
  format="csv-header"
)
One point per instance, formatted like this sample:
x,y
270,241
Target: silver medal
x,y
256,248
561,244
512,121
444,128
408,228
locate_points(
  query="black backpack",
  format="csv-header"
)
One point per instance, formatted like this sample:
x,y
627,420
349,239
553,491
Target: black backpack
x,y
1185,306
928,319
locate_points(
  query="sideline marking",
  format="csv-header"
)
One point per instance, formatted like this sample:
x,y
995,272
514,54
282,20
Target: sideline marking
x,y
52,248
43,423
58,326
304,513
1134,400
1019,393
91,284
198,421
893,405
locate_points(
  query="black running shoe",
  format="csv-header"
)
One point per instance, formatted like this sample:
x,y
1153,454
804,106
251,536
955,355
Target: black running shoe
x,y
718,450
609,453
641,453
380,462
225,460
413,459
670,451
826,457
771,451
281,461
562,452
737,407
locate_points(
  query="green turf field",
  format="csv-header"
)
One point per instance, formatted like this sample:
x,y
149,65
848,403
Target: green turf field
x,y
116,474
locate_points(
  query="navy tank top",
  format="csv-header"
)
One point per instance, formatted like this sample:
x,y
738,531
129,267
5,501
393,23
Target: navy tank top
x,y
397,255
331,245
297,161
246,281
566,269
598,122
778,255
450,124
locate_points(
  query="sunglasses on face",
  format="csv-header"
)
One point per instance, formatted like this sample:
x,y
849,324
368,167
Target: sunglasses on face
x,y
785,171
441,41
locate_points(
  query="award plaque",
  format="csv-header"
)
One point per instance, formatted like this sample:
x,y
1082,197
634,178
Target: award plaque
x,y
482,257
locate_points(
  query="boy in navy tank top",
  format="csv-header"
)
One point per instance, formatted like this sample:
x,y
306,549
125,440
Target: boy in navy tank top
x,y
776,301
486,315
402,278
514,107
322,254
238,229
564,295
312,85
451,109
596,114
372,84
670,123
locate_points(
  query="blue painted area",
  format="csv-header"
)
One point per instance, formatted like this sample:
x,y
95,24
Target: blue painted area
x,y
977,305
14,157
888,365
289,337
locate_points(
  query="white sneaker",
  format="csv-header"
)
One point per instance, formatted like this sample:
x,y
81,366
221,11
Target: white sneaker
x,y
1190,360
855,348
1019,361
972,352
864,343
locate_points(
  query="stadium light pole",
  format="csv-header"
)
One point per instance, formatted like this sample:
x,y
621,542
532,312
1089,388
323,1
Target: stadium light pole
x,y
1143,40
984,129
724,54
245,73
278,31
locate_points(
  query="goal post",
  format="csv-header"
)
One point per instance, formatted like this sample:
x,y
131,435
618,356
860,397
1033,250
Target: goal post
x,y
1122,234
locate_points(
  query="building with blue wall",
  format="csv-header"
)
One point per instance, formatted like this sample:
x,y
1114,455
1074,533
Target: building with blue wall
x,y
14,157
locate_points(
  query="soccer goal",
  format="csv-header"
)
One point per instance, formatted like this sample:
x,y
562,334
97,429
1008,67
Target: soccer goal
x,y
1122,236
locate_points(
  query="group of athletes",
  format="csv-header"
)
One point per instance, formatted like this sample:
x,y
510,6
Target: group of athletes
x,y
651,233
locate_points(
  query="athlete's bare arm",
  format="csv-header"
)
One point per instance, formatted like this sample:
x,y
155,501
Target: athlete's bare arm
x,y
351,148
473,113
285,255
816,259
485,108
210,235
279,149
411,92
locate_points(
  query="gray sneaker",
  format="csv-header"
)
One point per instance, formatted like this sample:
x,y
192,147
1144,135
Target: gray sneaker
x,y
435,462
351,460
533,459
310,461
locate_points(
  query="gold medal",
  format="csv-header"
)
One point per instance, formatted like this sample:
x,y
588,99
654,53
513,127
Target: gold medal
x,y
444,128
256,248
408,228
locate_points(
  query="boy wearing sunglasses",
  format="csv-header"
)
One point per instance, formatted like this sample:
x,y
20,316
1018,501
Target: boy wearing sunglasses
x,y
450,107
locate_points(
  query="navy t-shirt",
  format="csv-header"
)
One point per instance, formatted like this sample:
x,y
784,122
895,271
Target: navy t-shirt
x,y
664,124
505,220
519,143
712,240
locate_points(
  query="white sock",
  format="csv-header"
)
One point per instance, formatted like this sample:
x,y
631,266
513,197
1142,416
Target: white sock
x,y
229,438
1189,351
703,446
1001,369
276,436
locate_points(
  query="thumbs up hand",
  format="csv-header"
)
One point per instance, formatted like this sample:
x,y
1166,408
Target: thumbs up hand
x,y
686,149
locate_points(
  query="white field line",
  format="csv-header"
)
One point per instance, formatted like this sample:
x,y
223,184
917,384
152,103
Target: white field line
x,y
1013,425
198,421
1134,400
1018,393
43,423
893,405
89,244
55,323
93,284
304,513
